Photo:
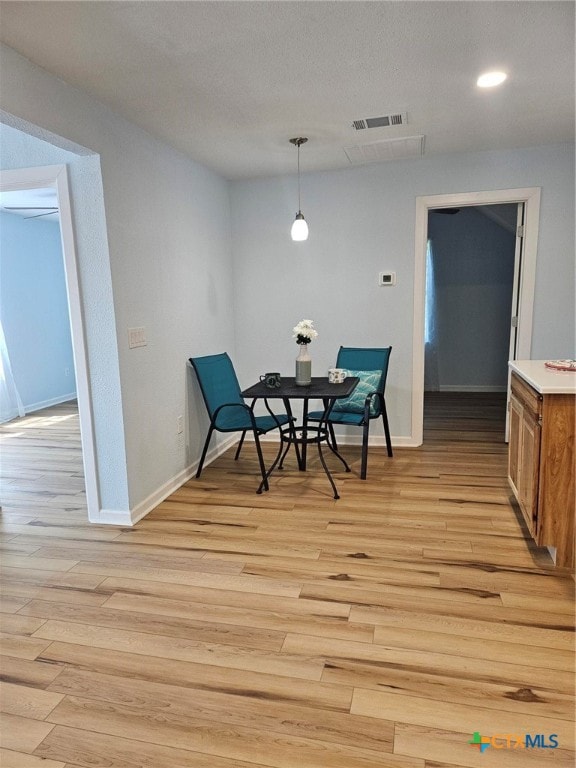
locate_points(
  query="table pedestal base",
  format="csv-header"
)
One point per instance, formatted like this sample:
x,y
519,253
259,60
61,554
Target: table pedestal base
x,y
301,437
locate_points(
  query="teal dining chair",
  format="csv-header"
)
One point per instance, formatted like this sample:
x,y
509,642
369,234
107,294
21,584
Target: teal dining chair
x,y
367,402
227,409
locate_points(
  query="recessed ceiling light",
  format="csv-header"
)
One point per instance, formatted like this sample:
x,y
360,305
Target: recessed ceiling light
x,y
491,79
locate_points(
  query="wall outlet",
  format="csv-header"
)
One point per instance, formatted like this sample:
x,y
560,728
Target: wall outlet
x,y
180,424
66,371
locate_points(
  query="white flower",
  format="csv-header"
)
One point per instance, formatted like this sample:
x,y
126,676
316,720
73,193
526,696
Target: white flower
x,y
304,332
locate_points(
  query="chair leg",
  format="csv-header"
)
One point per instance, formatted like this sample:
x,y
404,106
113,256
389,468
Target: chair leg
x,y
204,451
240,444
264,484
365,431
387,431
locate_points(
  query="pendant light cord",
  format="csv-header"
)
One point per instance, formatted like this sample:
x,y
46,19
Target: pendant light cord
x,y
299,208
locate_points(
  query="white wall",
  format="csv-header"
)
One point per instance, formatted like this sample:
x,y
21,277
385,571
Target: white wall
x,y
166,245
34,311
361,222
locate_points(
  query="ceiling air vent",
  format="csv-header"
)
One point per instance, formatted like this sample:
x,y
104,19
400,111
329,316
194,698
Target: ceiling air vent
x,y
399,118
387,149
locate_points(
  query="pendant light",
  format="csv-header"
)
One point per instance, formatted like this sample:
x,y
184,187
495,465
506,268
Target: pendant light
x,y
299,229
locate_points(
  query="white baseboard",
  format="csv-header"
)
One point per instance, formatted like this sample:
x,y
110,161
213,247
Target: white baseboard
x,y
471,388
112,517
376,440
11,415
165,490
125,518
48,403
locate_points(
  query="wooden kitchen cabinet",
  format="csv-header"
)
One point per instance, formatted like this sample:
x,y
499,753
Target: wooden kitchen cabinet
x,y
524,449
541,463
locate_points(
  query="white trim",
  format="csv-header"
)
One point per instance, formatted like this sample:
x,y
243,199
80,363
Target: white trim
x,y
78,342
377,441
350,439
113,517
10,416
168,488
56,176
131,517
531,197
401,442
48,403
471,388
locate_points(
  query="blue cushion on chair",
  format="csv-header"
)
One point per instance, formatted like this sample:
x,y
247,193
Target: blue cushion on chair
x,y
354,403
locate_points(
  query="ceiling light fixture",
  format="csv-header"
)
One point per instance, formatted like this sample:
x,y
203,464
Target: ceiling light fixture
x,y
299,229
491,79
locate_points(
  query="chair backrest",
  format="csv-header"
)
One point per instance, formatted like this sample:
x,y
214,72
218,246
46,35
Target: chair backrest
x,y
218,381
366,359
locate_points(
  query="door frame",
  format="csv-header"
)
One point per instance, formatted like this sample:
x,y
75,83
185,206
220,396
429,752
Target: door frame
x,y
56,177
530,196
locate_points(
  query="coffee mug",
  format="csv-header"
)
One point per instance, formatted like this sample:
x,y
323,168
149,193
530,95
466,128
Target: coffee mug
x,y
271,380
336,375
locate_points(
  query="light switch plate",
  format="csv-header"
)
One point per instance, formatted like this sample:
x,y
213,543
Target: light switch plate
x,y
136,337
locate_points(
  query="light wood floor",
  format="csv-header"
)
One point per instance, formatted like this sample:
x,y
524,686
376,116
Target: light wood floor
x,y
287,630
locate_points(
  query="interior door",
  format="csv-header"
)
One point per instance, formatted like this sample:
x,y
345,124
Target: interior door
x,y
514,319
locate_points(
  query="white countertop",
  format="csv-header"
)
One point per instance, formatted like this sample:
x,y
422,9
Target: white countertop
x,y
547,381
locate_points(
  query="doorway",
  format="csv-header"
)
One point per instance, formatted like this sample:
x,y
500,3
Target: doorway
x,y
55,177
525,276
470,297
37,368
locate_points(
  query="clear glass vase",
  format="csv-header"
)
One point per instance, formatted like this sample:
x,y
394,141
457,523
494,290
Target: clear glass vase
x,y
303,367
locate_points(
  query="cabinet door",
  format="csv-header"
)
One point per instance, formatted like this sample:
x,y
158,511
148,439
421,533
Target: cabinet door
x,y
514,444
529,468
524,459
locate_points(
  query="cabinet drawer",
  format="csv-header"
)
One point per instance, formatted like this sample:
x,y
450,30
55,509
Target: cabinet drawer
x,y
530,399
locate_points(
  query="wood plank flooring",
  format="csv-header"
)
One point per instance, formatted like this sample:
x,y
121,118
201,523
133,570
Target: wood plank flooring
x,y
287,630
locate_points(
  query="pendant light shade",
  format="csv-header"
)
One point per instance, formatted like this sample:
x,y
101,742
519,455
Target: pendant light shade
x,y
299,229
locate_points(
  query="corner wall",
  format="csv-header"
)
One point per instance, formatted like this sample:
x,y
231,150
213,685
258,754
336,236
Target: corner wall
x,y
153,244
362,221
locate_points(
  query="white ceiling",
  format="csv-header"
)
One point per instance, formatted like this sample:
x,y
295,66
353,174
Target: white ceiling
x,y
40,204
230,82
